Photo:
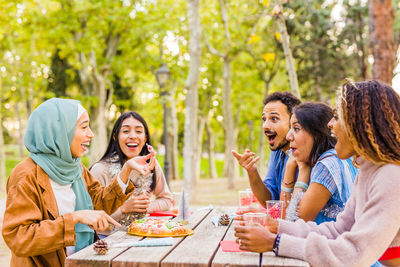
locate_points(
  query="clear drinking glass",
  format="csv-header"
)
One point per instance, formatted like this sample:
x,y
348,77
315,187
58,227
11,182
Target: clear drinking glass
x,y
274,208
252,218
255,217
245,199
177,196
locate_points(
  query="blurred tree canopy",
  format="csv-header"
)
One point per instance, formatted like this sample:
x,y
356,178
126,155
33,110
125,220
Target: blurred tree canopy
x,y
105,53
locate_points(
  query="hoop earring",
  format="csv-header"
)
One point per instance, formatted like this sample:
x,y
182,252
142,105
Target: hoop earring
x,y
354,162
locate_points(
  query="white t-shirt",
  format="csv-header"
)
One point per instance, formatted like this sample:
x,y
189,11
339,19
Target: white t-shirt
x,y
66,199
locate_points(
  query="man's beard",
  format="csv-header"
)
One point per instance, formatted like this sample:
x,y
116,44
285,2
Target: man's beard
x,y
281,145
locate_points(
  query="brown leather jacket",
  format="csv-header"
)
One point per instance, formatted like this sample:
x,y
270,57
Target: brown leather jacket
x,y
32,227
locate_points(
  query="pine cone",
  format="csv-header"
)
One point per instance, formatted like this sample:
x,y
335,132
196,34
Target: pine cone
x,y
224,219
100,247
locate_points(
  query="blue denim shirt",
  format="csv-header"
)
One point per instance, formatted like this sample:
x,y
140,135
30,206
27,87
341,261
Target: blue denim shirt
x,y
276,170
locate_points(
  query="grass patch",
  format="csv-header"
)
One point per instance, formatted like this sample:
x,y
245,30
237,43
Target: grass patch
x,y
10,164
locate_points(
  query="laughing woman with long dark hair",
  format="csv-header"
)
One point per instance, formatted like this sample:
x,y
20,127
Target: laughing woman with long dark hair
x,y
130,138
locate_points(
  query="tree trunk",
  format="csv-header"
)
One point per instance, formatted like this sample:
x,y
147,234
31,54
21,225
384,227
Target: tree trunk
x,y
2,153
94,83
210,150
290,67
228,124
99,142
199,147
230,142
381,16
172,130
192,101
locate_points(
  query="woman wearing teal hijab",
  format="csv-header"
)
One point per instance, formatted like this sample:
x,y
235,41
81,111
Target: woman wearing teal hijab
x,y
54,205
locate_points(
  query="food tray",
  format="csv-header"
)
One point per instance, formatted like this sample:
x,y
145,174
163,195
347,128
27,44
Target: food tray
x,y
153,235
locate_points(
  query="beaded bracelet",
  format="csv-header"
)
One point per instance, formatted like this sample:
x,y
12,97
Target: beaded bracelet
x,y
275,248
292,182
286,189
302,185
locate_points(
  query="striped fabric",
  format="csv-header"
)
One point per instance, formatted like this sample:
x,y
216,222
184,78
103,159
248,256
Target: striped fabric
x,y
338,177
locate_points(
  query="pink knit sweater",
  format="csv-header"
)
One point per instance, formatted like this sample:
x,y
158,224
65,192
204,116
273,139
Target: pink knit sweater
x,y
369,224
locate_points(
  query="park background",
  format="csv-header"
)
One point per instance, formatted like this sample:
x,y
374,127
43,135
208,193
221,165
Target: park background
x,y
195,70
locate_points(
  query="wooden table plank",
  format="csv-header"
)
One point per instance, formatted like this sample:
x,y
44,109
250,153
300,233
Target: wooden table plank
x,y
152,256
198,249
240,259
87,256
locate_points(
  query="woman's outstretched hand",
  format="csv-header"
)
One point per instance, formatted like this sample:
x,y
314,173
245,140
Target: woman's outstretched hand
x,y
98,220
136,204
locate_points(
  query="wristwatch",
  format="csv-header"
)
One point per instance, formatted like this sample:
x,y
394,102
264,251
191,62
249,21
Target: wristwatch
x,y
275,248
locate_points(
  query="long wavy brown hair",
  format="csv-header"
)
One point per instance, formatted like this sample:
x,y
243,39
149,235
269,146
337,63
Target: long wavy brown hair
x,y
370,111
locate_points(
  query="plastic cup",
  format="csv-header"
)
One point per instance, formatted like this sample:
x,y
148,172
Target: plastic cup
x,y
254,200
245,199
177,196
274,208
254,218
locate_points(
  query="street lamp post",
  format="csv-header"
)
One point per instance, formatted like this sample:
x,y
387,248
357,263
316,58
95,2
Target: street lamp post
x,y
163,75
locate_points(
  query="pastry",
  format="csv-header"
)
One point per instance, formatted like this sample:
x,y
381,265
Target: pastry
x,y
158,227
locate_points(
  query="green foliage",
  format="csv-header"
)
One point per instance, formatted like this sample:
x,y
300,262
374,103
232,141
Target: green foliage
x,y
314,41
42,41
204,169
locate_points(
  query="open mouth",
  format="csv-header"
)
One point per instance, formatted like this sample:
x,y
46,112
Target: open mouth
x,y
132,145
293,150
271,137
85,146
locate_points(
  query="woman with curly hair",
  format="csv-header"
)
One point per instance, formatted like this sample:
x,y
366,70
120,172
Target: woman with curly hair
x,y
367,126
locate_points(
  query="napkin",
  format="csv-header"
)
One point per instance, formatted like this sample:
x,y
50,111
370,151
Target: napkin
x,y
230,246
163,213
148,242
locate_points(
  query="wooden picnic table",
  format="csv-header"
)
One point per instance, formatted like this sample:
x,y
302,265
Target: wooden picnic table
x,y
200,249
